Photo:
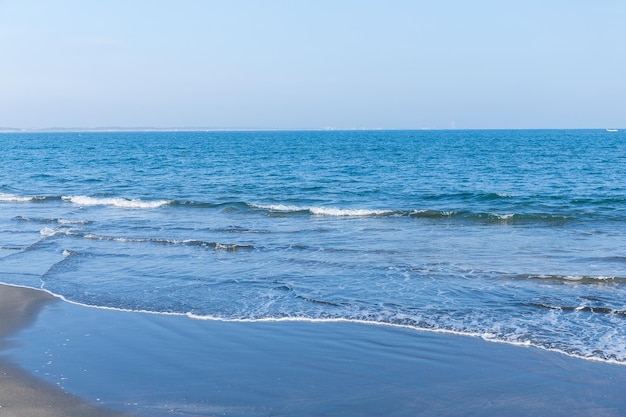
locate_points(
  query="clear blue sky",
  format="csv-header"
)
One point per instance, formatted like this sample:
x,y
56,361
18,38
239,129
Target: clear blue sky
x,y
313,64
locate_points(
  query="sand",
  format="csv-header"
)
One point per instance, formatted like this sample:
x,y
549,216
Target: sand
x,y
22,394
158,365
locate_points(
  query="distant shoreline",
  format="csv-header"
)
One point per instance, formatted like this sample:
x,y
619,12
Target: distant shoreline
x,y
261,129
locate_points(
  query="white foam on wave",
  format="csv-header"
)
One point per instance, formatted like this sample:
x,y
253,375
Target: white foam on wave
x,y
49,232
331,211
53,231
14,198
324,211
72,222
120,202
279,207
576,278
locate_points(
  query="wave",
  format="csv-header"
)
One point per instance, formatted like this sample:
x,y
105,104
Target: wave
x,y
322,211
82,200
48,232
569,279
469,210
487,217
582,308
499,218
15,198
120,202
403,323
60,221
467,196
492,334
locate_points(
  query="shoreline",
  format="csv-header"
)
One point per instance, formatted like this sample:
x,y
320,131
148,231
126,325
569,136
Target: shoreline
x,y
159,365
22,394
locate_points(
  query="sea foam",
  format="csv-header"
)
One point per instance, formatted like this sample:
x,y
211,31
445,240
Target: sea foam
x,y
120,202
323,211
14,198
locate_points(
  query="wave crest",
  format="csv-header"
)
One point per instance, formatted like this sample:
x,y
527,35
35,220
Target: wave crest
x,y
48,232
120,202
468,213
14,198
323,211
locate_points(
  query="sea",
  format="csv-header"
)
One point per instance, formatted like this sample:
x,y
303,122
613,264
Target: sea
x,y
512,236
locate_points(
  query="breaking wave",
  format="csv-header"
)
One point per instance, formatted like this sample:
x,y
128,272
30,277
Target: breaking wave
x,y
322,211
15,198
120,202
469,211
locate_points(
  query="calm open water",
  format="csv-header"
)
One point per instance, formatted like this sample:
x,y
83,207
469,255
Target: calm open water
x,y
515,236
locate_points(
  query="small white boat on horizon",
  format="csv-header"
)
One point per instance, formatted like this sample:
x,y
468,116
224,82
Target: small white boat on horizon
x,y
612,130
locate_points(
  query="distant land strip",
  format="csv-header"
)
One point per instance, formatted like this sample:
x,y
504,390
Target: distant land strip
x,y
178,129
255,129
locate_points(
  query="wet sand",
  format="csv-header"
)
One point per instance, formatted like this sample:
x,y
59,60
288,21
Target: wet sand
x,y
159,365
22,394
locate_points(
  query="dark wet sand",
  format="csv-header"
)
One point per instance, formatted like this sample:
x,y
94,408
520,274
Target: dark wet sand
x,y
159,365
22,394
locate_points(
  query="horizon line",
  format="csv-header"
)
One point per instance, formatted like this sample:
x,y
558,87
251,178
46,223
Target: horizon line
x,y
257,129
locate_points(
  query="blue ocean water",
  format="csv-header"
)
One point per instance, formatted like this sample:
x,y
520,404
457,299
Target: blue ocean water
x,y
513,236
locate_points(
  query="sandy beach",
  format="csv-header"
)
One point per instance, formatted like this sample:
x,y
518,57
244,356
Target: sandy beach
x,y
158,365
22,394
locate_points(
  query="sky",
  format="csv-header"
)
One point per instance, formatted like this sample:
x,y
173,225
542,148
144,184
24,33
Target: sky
x,y
298,64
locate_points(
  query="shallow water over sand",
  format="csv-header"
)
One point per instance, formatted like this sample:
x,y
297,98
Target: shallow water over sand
x,y
156,365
